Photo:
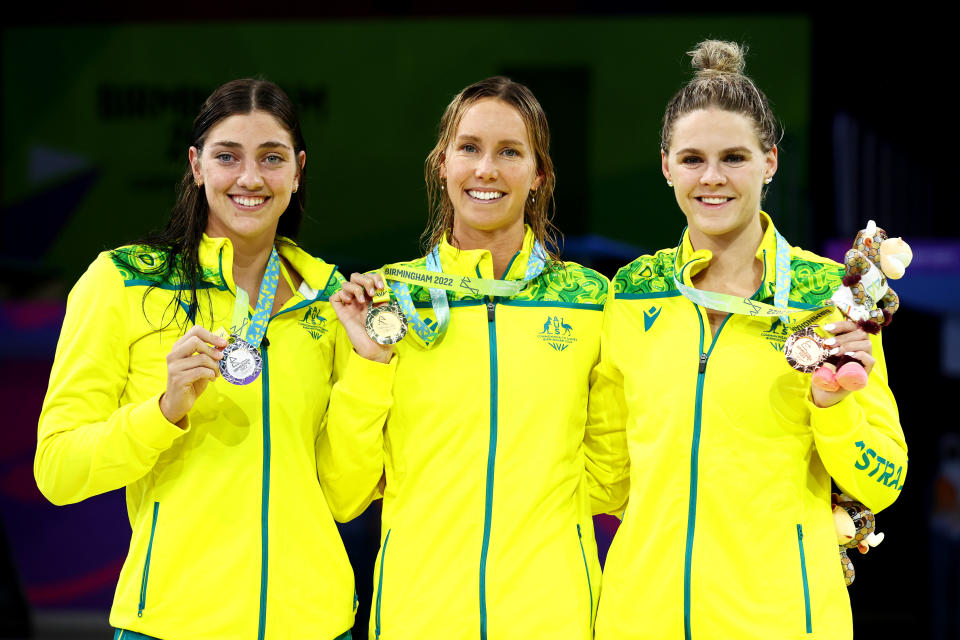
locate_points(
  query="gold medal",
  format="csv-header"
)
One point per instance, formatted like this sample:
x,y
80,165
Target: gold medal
x,y
386,324
804,350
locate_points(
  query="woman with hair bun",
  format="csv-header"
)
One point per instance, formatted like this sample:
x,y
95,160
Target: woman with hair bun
x,y
193,370
487,531
728,530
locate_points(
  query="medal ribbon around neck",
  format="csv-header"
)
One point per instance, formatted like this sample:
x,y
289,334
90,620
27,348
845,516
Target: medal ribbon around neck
x,y
261,315
746,306
433,277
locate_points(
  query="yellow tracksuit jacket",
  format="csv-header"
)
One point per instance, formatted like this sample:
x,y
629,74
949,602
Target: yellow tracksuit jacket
x,y
728,530
232,534
487,531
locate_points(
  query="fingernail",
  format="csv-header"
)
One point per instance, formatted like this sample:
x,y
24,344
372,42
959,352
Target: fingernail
x,y
850,353
833,351
830,341
830,327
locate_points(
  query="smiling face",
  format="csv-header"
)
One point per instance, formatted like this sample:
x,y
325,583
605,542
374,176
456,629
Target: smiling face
x,y
718,170
489,169
248,169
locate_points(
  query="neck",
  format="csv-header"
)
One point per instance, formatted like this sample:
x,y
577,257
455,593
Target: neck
x,y
734,264
502,243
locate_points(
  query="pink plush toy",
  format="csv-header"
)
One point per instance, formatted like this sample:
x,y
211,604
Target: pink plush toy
x,y
865,298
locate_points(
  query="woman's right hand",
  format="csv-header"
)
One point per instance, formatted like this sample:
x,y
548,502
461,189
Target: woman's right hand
x,y
351,303
191,364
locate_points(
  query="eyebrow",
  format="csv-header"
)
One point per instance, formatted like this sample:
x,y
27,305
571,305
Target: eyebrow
x,y
729,150
269,144
509,141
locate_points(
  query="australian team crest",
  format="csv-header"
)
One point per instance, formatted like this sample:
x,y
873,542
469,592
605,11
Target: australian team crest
x,y
776,335
557,333
314,323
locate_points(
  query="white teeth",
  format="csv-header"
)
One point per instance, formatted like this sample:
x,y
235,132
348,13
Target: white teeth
x,y
249,202
485,195
707,200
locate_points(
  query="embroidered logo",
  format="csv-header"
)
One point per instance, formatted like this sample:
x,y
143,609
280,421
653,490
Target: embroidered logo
x,y
650,316
776,335
557,333
314,323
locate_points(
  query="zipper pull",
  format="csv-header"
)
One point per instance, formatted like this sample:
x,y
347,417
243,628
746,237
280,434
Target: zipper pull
x,y
490,312
703,362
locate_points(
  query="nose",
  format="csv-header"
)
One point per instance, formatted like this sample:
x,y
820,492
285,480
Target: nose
x,y
250,176
712,174
486,168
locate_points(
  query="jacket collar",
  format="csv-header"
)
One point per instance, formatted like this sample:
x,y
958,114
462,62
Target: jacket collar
x,y
470,262
216,259
766,253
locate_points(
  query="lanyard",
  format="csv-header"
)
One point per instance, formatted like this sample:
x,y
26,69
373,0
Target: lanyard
x,y
261,315
433,277
746,306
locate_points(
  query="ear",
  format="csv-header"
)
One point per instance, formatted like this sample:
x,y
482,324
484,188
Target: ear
x,y
772,162
537,181
663,164
193,157
301,162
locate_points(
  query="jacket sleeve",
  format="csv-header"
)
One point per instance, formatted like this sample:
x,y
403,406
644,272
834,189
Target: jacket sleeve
x,y
605,440
350,443
860,440
87,443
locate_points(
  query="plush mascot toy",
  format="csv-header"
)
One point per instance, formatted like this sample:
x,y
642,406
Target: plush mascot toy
x,y
856,527
865,298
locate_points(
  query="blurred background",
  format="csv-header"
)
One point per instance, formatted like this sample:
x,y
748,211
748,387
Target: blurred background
x,y
97,110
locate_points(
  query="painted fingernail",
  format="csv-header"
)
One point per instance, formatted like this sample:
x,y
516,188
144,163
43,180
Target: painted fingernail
x,y
850,353
834,351
830,341
830,327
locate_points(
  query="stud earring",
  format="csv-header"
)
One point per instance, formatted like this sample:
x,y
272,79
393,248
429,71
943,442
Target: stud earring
x,y
443,187
767,180
669,182
533,198
296,185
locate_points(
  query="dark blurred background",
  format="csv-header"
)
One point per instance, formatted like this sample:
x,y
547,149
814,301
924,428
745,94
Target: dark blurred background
x,y
97,110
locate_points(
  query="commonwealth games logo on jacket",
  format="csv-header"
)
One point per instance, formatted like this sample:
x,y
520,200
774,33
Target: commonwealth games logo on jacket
x,y
557,333
314,323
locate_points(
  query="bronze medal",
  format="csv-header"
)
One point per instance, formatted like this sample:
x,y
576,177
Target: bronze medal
x,y
804,350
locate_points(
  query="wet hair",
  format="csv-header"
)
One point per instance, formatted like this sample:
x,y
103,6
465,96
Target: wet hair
x,y
538,214
720,83
179,241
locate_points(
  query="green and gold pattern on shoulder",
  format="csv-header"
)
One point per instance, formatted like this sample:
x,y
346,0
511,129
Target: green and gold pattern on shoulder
x,y
141,264
646,275
813,282
333,284
568,282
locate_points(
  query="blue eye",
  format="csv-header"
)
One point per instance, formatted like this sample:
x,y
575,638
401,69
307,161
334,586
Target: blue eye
x,y
691,160
273,158
469,148
511,153
224,157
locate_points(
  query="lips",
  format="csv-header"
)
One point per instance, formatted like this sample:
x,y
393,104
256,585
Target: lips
x,y
485,195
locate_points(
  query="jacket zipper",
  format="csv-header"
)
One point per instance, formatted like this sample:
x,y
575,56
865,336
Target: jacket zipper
x,y
491,462
383,556
803,574
694,470
587,569
265,490
146,563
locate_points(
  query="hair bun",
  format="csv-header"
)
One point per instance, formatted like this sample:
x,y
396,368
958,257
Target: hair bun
x,y
718,56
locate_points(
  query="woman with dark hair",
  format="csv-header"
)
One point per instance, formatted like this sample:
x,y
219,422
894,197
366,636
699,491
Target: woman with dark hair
x,y
194,369
728,530
487,530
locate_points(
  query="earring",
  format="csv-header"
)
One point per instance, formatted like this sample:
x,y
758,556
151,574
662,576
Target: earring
x,y
669,182
296,185
443,187
767,180
533,198
198,183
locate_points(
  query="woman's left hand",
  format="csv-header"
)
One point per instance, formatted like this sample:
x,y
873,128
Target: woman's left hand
x,y
850,339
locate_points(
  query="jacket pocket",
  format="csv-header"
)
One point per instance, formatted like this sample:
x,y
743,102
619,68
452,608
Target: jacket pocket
x,y
803,576
383,556
146,563
586,568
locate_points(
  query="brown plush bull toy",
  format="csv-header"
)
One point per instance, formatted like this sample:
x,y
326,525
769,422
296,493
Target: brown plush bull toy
x,y
855,530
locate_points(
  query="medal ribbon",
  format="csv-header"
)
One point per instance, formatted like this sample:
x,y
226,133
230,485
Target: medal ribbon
x,y
399,276
261,315
746,306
